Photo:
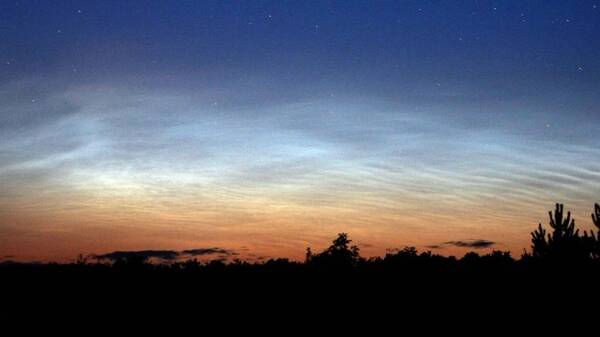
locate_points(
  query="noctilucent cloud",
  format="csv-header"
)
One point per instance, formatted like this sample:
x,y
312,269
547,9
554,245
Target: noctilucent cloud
x,y
264,127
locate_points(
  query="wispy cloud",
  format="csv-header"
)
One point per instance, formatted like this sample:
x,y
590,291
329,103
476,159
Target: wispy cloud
x,y
171,158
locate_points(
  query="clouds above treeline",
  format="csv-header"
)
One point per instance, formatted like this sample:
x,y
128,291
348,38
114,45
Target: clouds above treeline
x,y
106,136
311,120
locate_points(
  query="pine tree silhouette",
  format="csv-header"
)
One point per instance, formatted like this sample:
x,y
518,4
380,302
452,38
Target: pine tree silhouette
x,y
593,240
564,243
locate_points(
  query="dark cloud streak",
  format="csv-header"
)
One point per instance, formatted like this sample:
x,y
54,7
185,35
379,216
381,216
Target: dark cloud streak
x,y
166,255
207,251
475,244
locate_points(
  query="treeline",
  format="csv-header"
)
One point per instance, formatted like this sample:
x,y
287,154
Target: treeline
x,y
558,246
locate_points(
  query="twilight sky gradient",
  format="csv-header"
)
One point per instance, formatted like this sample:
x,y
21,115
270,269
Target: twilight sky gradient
x,y
263,127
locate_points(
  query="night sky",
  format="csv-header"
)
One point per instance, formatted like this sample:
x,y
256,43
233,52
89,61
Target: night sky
x,y
264,127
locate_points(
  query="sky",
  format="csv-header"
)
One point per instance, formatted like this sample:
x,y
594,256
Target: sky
x,y
254,129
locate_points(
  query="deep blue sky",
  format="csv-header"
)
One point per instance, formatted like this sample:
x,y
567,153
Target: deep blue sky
x,y
378,45
403,122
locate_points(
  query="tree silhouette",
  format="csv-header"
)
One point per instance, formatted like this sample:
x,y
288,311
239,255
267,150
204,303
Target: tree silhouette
x,y
593,240
309,255
596,216
340,255
564,243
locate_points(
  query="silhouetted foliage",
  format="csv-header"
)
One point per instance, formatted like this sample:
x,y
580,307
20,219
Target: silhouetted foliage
x,y
340,255
593,240
563,244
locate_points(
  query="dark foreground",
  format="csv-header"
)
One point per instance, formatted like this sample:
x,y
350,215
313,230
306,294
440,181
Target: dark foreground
x,y
403,287
561,271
